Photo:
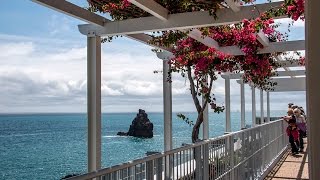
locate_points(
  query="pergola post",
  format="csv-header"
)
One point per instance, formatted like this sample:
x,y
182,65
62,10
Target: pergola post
x,y
313,88
227,99
94,102
167,100
261,107
268,106
243,105
253,106
167,110
205,124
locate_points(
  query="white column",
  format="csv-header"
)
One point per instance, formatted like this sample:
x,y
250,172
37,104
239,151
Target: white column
x,y
253,106
268,106
227,99
261,107
94,102
167,107
313,88
205,123
243,106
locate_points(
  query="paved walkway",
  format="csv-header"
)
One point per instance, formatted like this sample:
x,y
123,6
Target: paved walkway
x,y
291,167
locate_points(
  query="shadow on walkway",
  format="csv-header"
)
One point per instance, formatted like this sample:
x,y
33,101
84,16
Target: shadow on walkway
x,y
290,167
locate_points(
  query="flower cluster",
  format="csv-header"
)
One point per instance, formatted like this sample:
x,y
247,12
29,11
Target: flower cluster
x,y
257,68
295,9
122,9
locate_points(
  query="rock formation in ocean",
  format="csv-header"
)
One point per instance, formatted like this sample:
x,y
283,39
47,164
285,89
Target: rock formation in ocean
x,y
141,126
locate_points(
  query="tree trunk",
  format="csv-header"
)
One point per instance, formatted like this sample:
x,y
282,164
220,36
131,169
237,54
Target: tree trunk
x,y
196,128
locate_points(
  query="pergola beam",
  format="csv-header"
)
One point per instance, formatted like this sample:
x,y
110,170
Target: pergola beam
x,y
208,41
285,64
152,7
262,38
279,74
279,59
271,48
235,6
288,84
284,46
179,21
77,12
73,10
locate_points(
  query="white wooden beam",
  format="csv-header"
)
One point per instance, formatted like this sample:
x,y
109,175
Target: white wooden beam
x,y
279,58
73,10
280,73
262,38
284,46
179,21
289,64
235,6
271,48
152,7
145,38
287,84
290,84
197,35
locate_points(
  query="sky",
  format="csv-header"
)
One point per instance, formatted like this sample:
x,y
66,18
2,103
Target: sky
x,y
43,68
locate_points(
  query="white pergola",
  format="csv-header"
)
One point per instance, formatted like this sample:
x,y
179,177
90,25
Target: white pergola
x,y
160,20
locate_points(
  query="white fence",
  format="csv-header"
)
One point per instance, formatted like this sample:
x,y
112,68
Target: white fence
x,y
242,155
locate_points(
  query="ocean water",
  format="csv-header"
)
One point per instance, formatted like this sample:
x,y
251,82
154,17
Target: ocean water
x,y
50,146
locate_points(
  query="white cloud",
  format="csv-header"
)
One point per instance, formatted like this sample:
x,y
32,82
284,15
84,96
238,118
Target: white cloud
x,y
37,79
286,21
15,50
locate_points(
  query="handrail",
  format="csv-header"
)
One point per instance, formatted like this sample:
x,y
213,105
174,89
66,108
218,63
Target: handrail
x,y
129,164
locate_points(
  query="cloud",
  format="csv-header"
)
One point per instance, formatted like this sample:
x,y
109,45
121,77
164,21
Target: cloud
x,y
287,21
15,50
54,80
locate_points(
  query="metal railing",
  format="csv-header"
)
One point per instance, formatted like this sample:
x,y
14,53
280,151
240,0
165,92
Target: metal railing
x,y
245,154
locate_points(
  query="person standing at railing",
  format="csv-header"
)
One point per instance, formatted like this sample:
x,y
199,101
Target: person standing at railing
x,y
293,133
301,124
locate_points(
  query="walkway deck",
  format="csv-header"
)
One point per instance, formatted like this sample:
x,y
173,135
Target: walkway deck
x,y
291,167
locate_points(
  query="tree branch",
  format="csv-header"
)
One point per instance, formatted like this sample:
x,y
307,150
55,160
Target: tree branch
x,y
193,91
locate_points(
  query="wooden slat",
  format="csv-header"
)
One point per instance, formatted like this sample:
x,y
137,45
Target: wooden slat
x,y
179,21
73,10
152,7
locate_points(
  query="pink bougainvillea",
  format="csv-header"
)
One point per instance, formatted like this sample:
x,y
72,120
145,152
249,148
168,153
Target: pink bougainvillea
x,y
201,64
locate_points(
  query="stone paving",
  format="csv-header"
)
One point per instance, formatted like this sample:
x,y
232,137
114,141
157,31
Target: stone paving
x,y
291,167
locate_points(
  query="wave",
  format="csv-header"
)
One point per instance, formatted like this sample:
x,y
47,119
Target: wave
x,y
113,136
21,135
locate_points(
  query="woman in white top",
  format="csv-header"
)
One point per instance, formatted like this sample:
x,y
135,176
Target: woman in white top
x,y
301,124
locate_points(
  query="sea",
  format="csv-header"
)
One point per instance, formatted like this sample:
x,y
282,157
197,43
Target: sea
x,y
52,145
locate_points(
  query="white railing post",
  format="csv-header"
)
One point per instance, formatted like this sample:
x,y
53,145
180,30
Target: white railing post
x,y
231,153
94,102
206,161
199,170
312,81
